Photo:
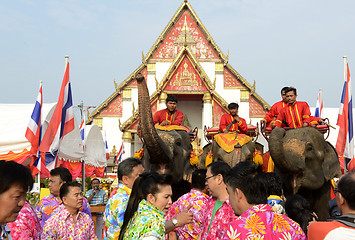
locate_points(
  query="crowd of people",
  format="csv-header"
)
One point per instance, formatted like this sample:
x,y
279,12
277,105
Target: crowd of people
x,y
224,203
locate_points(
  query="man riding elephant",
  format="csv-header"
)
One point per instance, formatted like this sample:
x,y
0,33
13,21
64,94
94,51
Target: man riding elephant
x,y
170,115
232,122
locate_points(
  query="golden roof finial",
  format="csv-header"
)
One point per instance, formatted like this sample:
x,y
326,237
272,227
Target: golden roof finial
x,y
227,56
185,28
142,57
214,83
119,123
156,82
253,87
116,86
133,108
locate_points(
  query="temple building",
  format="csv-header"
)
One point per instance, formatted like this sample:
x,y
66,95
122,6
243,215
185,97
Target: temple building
x,y
187,62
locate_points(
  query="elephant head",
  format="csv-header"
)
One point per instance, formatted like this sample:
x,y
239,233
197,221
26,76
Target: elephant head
x,y
165,152
306,161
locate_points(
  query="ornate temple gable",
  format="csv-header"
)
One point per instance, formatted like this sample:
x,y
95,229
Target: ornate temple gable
x,y
219,108
230,81
256,109
186,75
132,123
185,27
114,108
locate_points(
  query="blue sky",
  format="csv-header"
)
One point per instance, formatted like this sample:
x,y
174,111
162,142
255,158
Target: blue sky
x,y
275,42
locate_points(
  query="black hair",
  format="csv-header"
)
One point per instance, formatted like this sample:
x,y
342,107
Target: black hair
x,y
145,184
346,188
299,210
198,179
284,89
290,89
219,167
12,173
63,173
171,98
273,184
125,168
95,180
64,189
233,105
249,178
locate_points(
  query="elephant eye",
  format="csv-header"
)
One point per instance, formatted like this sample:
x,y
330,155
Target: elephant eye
x,y
178,143
309,147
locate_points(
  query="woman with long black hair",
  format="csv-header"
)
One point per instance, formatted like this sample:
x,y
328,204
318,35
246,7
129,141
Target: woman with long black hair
x,y
149,202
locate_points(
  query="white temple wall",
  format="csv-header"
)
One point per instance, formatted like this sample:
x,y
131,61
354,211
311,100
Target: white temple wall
x,y
209,68
160,69
113,132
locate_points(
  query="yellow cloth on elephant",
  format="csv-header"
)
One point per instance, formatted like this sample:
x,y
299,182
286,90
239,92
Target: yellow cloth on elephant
x,y
171,127
227,141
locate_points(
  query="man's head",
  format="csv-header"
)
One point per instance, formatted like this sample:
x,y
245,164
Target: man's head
x,y
291,95
95,183
171,102
71,195
345,195
283,93
274,184
15,181
233,108
128,170
59,176
215,174
198,179
246,186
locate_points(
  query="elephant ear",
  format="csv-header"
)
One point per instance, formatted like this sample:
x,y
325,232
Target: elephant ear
x,y
330,165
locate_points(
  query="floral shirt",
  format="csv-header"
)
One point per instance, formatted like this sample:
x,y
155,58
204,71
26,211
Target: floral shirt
x,y
61,226
147,221
220,222
198,201
261,222
5,232
27,224
114,212
49,205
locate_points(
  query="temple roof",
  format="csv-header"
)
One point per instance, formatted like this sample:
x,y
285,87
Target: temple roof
x,y
184,37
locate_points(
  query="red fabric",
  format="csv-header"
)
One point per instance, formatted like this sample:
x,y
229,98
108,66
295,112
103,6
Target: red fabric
x,y
162,115
294,115
16,157
75,168
320,230
274,111
226,119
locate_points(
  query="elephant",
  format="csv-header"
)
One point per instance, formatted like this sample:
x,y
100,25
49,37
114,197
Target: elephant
x,y
232,158
165,152
306,164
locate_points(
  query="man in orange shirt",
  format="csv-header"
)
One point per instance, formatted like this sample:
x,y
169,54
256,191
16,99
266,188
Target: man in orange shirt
x,y
270,117
295,114
170,115
232,122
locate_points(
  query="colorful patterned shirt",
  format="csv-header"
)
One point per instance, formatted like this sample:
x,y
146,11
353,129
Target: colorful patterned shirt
x,y
147,221
221,220
114,212
27,224
5,232
61,226
198,201
49,205
99,198
260,222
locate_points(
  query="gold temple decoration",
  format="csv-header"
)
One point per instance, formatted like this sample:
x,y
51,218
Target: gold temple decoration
x,y
133,108
207,98
119,123
162,97
126,94
116,86
113,151
98,122
185,39
142,57
214,83
253,87
187,78
156,82
127,135
88,113
227,57
244,95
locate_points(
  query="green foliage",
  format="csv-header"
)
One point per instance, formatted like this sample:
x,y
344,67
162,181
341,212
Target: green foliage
x,y
33,199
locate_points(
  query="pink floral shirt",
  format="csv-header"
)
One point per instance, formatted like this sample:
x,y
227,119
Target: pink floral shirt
x,y
221,220
261,222
61,226
27,224
198,201
49,205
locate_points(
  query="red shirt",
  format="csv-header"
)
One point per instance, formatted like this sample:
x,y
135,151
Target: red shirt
x,y
274,111
226,119
294,115
332,230
174,119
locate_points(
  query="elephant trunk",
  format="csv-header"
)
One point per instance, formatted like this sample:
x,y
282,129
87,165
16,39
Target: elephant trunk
x,y
152,141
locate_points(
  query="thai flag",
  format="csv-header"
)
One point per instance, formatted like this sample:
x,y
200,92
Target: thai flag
x,y
82,129
120,153
106,149
345,141
319,105
62,121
